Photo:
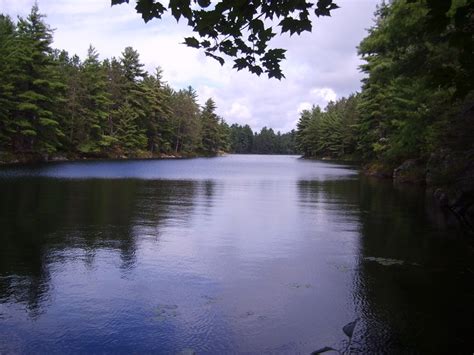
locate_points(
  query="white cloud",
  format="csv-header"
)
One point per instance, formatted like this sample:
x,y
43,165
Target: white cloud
x,y
304,106
239,111
321,96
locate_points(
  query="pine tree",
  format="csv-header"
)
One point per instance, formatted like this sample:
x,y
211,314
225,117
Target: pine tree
x,y
187,125
210,134
9,55
73,111
94,78
157,113
37,88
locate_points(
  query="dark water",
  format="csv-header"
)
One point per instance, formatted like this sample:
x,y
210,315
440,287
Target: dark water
x,y
239,254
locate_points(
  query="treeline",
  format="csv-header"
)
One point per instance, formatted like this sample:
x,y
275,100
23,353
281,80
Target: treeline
x,y
331,133
244,141
416,99
55,103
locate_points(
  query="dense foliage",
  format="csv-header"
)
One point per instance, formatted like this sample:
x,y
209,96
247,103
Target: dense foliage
x,y
329,133
51,102
244,141
417,95
239,29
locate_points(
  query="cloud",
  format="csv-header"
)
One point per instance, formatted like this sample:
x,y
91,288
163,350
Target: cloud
x,y
239,111
304,106
320,66
323,95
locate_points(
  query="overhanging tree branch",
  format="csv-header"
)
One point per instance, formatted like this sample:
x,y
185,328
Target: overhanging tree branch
x,y
240,29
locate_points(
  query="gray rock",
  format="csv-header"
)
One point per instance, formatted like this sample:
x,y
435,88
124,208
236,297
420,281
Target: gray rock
x,y
411,171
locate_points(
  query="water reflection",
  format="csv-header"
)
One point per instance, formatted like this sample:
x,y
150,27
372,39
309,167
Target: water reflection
x,y
411,307
257,254
411,281
62,220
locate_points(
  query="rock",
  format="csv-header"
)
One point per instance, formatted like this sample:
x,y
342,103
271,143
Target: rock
x,y
58,158
379,170
411,171
454,174
442,197
443,166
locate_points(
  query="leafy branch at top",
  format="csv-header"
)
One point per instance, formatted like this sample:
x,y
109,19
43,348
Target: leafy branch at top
x,y
240,29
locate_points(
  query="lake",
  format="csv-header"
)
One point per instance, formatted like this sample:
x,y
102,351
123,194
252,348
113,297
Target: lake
x,y
235,254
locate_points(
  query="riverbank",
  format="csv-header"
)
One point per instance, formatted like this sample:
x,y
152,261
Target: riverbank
x,y
32,158
448,174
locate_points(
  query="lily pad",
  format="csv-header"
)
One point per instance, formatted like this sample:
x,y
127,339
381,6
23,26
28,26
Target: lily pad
x,y
247,314
298,285
210,300
165,311
385,261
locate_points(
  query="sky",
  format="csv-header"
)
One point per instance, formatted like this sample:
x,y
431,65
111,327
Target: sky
x,y
321,66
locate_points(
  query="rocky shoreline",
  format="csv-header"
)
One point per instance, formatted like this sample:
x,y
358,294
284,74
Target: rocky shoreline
x,y
449,175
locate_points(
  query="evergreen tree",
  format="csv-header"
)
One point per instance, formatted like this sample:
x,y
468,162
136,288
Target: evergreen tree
x,y
241,138
97,101
37,88
73,110
210,134
224,136
8,71
133,69
187,125
414,62
157,113
302,137
329,133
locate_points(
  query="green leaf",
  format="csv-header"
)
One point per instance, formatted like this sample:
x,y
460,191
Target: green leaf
x,y
191,42
205,44
219,59
256,25
149,9
48,122
240,63
23,123
204,3
181,8
228,48
28,132
324,7
118,2
26,106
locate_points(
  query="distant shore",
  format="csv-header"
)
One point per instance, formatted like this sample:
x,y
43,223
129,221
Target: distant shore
x,y
33,158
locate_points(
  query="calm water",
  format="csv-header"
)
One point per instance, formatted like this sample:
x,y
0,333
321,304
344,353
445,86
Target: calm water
x,y
226,255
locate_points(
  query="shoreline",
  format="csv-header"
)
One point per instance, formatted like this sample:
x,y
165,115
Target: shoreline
x,y
7,159
448,177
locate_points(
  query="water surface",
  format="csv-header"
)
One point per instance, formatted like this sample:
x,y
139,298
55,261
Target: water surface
x,y
226,255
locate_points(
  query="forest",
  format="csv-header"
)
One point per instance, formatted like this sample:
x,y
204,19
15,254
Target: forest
x,y
415,104
416,101
53,104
